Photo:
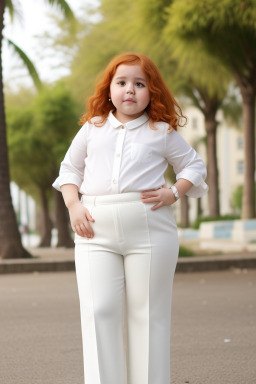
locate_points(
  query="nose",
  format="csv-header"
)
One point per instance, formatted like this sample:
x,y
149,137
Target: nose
x,y
130,88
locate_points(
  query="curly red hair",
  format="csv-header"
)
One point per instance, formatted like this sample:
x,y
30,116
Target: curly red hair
x,y
162,105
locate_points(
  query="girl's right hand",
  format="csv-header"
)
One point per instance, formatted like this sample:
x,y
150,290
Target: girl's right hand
x,y
79,219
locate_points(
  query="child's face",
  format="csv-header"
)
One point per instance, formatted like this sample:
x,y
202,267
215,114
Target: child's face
x,y
129,92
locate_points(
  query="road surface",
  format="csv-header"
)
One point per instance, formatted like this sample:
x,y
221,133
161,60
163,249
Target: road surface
x,y
213,334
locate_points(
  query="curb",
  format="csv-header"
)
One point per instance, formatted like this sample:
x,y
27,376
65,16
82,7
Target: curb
x,y
184,265
32,266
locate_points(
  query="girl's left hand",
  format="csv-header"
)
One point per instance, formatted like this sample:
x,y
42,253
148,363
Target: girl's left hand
x,y
164,196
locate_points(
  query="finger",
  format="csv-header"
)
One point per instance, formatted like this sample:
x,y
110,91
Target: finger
x,y
148,190
149,193
84,230
79,231
156,206
149,199
89,217
143,197
152,189
89,229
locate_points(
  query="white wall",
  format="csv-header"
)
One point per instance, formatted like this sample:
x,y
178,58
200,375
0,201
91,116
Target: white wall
x,y
26,205
230,157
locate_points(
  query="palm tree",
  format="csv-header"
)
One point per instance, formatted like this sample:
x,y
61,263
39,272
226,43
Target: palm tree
x,y
209,105
227,30
10,240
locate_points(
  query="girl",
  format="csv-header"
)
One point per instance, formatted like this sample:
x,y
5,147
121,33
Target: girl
x,y
125,230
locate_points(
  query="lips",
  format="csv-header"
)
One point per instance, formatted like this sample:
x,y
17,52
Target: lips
x,y
129,101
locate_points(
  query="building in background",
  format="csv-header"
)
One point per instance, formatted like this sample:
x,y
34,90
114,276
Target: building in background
x,y
230,159
25,208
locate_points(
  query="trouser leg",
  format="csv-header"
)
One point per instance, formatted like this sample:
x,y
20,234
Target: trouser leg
x,y
149,270
146,251
100,278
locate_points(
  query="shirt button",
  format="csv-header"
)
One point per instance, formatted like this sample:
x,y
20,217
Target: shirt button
x,y
118,155
114,181
122,127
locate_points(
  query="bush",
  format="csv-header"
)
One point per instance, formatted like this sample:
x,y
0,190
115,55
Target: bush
x,y
201,219
185,252
237,197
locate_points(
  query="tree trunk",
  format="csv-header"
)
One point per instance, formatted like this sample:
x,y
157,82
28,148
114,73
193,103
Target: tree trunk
x,y
62,222
248,202
212,168
210,108
184,212
247,85
10,239
46,224
198,207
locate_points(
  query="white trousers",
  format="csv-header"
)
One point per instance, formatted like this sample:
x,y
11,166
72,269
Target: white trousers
x,y
138,247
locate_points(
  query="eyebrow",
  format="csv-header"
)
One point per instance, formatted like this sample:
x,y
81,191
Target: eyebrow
x,y
136,78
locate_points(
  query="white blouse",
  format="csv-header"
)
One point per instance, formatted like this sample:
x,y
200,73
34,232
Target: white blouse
x,y
118,158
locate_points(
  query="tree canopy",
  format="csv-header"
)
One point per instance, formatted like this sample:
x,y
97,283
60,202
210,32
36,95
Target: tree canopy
x,y
38,136
227,31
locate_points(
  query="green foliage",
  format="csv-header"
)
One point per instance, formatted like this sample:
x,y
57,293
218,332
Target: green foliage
x,y
202,219
64,7
185,251
38,137
145,23
146,27
28,63
11,9
169,174
104,40
27,165
226,29
56,118
232,107
237,196
107,38
22,98
198,68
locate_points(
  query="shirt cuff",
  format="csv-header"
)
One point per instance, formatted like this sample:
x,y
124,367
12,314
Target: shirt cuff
x,y
67,179
199,188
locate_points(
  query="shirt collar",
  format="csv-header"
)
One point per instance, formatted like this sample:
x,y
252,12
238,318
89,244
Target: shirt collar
x,y
131,124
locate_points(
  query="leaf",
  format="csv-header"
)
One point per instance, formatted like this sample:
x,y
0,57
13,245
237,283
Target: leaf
x,y
64,7
28,63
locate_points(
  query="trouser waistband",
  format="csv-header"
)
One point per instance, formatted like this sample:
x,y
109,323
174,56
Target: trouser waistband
x,y
111,199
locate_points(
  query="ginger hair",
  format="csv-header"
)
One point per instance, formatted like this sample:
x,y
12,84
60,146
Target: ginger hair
x,y
162,105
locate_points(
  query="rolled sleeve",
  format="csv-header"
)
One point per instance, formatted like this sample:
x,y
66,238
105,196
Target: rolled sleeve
x,y
67,179
72,167
187,164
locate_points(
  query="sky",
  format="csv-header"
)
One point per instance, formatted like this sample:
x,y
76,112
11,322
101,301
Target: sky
x,y
34,20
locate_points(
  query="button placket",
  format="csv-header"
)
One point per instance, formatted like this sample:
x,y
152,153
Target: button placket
x,y
117,160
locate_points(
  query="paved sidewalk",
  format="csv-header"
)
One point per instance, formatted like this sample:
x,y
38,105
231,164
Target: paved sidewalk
x,y
62,259
213,332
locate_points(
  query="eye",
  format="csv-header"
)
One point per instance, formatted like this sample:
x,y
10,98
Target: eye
x,y
140,85
122,83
